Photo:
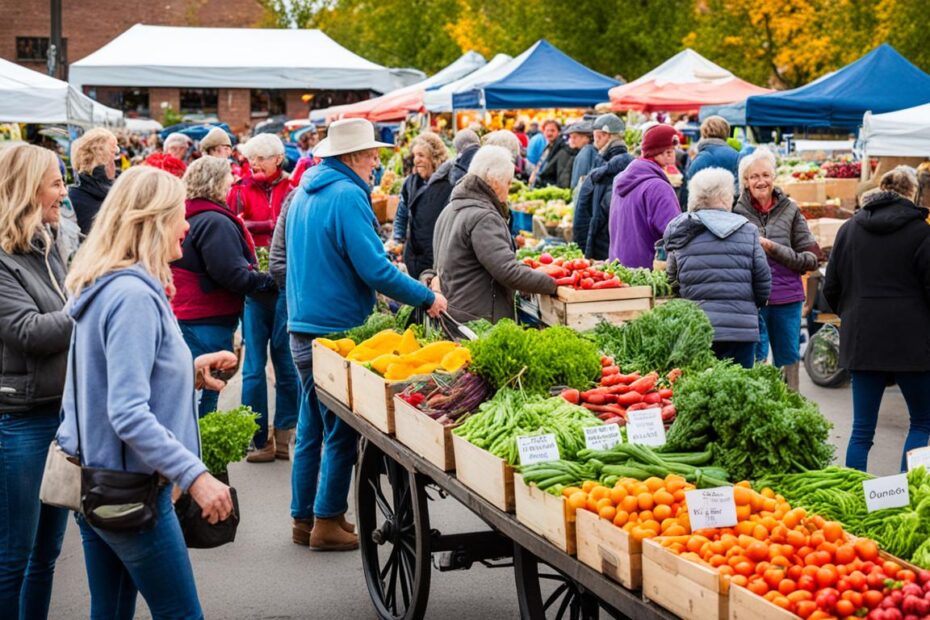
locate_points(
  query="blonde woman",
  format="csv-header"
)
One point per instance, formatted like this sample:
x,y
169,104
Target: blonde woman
x,y
34,336
133,384
93,157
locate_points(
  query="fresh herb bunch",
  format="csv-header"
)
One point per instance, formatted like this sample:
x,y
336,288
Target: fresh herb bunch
x,y
225,437
675,335
757,426
536,360
567,251
640,276
379,320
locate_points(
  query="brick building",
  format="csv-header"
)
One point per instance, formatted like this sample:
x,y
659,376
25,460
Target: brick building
x,y
88,26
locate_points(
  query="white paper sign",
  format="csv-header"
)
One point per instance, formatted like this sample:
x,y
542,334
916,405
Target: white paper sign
x,y
537,449
886,492
711,508
602,437
645,427
918,457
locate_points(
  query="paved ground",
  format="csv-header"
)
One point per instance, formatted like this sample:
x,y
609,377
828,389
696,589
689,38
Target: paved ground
x,y
264,575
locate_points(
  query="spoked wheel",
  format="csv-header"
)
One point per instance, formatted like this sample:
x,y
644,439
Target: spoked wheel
x,y
544,592
822,358
394,535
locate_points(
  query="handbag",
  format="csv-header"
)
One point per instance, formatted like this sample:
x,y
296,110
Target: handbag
x,y
61,479
198,533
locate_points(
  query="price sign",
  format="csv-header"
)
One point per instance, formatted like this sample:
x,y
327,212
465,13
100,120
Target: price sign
x,y
711,508
645,427
918,457
886,492
602,437
537,449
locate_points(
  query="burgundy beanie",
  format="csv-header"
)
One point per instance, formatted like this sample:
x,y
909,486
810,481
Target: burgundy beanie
x,y
659,138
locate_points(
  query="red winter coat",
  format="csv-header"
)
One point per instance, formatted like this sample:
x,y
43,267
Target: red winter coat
x,y
259,204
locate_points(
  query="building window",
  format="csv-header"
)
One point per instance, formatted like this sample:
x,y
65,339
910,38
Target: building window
x,y
267,103
35,49
133,101
199,100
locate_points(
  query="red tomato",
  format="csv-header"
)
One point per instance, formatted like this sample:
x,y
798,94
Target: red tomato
x,y
826,577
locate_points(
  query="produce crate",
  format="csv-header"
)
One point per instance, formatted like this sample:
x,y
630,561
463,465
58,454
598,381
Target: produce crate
x,y
744,605
485,474
687,589
331,374
373,397
658,301
547,515
391,212
843,189
807,191
423,435
583,310
379,206
608,549
825,230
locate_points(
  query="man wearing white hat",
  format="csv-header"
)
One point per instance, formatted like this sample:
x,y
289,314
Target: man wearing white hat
x,y
335,265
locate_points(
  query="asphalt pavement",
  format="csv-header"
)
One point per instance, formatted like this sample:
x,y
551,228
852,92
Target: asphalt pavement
x,y
264,575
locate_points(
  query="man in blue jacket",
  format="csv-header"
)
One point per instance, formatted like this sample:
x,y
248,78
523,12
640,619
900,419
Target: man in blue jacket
x,y
335,265
713,150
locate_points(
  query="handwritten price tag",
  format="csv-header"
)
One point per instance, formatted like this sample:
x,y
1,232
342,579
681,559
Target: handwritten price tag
x,y
537,449
886,492
645,427
711,508
602,437
918,457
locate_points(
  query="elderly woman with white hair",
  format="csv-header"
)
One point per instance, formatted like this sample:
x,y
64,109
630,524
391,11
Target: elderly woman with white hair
x,y
258,199
716,261
474,250
879,271
791,249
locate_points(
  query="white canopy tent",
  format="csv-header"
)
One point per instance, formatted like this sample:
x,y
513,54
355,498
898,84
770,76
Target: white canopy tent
x,y
904,133
180,57
27,96
440,99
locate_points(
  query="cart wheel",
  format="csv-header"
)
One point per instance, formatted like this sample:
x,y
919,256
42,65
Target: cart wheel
x,y
822,357
394,534
544,592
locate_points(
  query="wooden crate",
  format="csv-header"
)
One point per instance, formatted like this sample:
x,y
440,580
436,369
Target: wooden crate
x,y
423,435
744,605
544,513
687,589
583,310
807,191
608,549
391,212
331,374
485,474
373,397
658,301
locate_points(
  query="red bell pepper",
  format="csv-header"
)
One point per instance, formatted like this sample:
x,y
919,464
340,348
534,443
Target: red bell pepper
x,y
612,283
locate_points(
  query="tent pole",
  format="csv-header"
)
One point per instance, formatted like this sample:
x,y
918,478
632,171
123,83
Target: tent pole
x,y
54,48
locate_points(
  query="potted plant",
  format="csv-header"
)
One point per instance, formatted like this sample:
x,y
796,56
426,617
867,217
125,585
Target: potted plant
x,y
225,437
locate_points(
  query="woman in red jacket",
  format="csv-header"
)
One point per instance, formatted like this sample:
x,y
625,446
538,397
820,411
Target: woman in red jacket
x,y
257,199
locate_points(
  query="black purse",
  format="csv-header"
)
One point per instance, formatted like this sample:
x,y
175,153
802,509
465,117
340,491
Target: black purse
x,y
198,533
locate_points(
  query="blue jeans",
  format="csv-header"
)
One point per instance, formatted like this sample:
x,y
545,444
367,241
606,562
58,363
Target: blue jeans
x,y
319,429
30,532
262,324
868,387
780,325
740,352
155,563
203,338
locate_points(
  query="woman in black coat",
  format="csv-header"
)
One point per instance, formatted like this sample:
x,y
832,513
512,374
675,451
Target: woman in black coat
x,y
93,157
878,281
426,193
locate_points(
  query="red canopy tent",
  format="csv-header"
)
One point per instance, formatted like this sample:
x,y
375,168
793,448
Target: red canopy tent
x,y
682,83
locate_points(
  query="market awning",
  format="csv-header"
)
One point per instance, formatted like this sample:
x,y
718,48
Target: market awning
x,y
541,77
881,81
27,96
167,56
683,83
905,133
440,99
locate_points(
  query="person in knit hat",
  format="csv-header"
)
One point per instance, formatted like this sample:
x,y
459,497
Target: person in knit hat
x,y
216,144
643,200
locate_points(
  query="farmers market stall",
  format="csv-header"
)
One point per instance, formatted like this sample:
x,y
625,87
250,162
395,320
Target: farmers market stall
x,y
905,133
440,99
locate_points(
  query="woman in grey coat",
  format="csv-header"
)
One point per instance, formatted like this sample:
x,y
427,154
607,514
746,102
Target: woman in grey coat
x,y
716,261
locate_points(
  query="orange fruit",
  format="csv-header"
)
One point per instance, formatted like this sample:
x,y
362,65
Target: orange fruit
x,y
588,485
654,484
630,503
600,492
577,500
617,494
621,517
607,512
645,501
662,512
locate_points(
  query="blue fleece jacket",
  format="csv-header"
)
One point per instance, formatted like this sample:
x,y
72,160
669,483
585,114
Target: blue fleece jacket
x,y
335,259
135,381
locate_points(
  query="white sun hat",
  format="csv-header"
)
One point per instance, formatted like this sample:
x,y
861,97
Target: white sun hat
x,y
348,136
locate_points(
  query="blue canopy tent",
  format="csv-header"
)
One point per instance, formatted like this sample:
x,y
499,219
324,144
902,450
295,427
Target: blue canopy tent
x,y
881,81
734,113
541,77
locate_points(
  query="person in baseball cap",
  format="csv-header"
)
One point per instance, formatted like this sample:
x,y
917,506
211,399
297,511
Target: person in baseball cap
x,y
644,201
580,135
216,144
608,136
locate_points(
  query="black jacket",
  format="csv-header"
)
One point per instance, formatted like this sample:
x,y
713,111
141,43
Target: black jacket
x,y
878,281
87,195
34,331
425,201
461,163
557,165
592,206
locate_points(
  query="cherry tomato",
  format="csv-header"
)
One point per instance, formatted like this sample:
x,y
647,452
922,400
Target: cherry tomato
x,y
826,577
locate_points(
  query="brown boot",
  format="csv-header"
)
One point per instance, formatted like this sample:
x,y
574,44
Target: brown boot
x,y
328,535
349,527
300,531
282,442
792,376
265,454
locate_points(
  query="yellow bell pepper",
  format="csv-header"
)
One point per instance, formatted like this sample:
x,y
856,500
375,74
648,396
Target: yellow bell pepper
x,y
408,344
362,354
398,371
455,359
380,363
385,341
432,353
345,346
329,344
425,369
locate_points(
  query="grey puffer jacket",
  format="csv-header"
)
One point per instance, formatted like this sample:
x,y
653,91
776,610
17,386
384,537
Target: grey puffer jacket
x,y
474,256
35,332
715,260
